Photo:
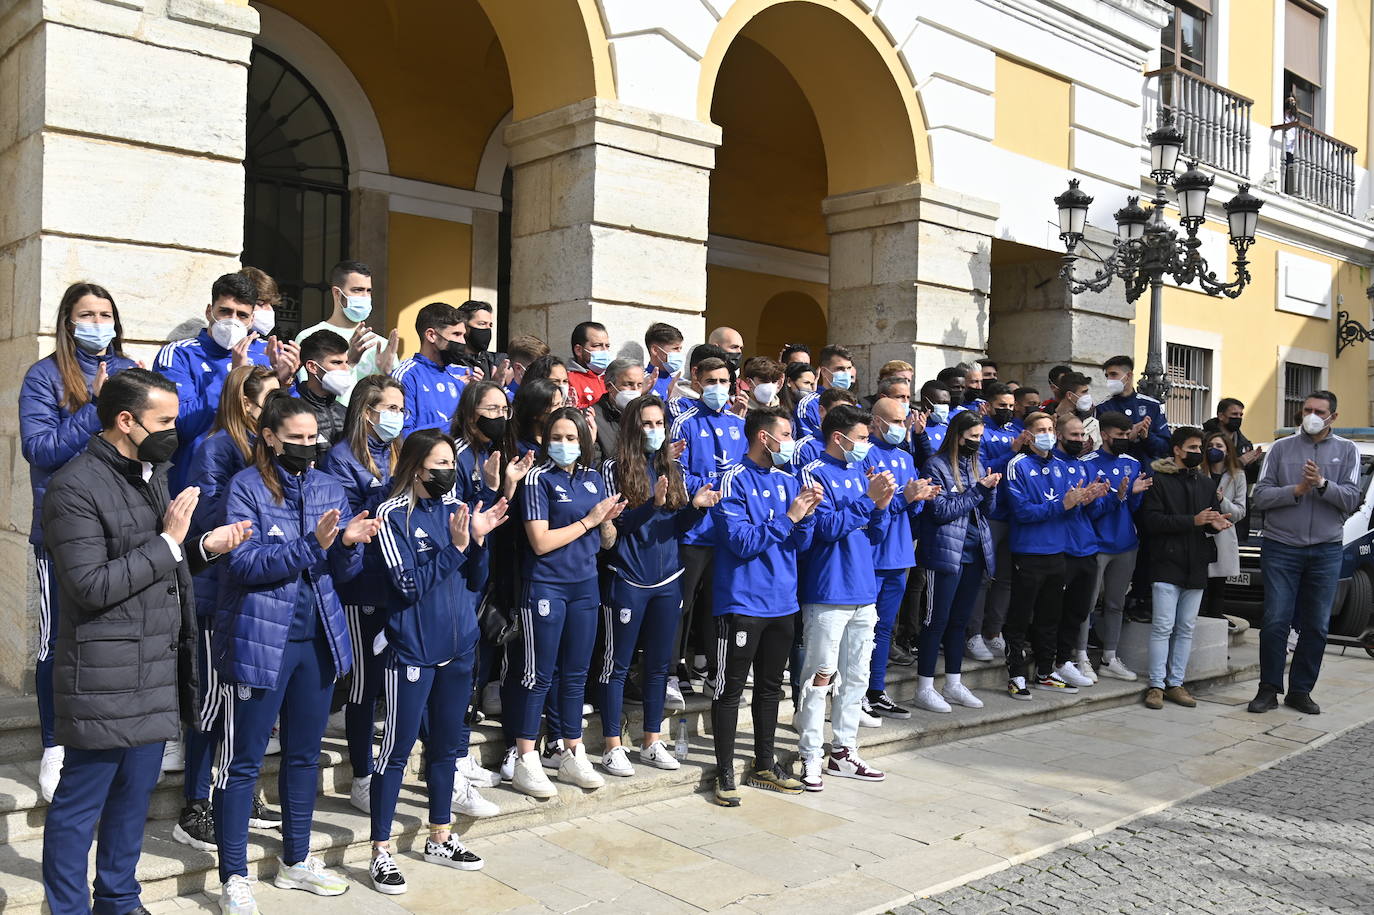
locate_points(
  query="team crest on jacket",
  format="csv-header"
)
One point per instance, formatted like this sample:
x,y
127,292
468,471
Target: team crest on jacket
x,y
734,432
625,614
543,608
590,486
413,674
245,692
740,638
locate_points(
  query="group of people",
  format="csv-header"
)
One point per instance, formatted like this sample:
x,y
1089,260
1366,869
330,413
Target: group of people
x,y
260,539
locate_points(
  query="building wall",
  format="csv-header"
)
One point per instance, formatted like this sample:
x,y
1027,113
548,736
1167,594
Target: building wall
x,y
430,262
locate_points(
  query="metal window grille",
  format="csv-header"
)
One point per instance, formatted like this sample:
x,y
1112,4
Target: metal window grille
x,y
1298,381
1190,378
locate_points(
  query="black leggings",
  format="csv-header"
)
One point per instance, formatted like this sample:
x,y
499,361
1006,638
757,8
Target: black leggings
x,y
1080,587
696,605
765,642
1037,597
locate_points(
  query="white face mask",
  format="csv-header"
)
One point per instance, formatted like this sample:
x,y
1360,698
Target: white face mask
x,y
228,332
264,319
623,398
764,393
1115,386
337,381
1084,403
1313,424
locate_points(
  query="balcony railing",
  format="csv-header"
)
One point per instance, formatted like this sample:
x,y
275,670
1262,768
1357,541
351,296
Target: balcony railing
x,y
1215,121
1315,167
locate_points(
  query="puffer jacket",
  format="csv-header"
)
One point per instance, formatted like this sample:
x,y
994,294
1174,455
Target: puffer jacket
x,y
944,523
261,578
48,433
1180,550
125,670
330,415
212,467
365,491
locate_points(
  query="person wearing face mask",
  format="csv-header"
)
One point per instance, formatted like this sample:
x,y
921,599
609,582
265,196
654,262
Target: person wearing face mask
x,y
591,356
1149,427
1002,440
810,447
124,673
1080,551
1027,401
624,383
524,350
730,341
663,343
59,417
760,384
799,379
973,385
434,378
935,404
643,594
350,290
1076,399
1230,416
795,352
227,450
1307,488
836,371
280,641
479,322
325,356
1181,514
1053,376
555,370
434,546
956,379
690,394
1226,471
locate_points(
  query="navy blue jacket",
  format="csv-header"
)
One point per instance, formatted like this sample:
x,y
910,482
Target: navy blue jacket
x,y
1136,407
996,453
715,443
1080,536
365,492
645,551
432,392
212,467
755,565
471,487
258,591
897,548
553,495
1115,522
838,569
49,435
944,523
1034,491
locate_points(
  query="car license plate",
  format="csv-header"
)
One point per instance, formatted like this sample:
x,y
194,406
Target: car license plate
x,y
1242,578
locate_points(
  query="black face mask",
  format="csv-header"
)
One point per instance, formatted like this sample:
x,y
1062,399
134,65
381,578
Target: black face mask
x,y
440,482
971,396
1233,424
968,449
1120,446
479,339
1072,449
1192,459
493,427
733,358
451,353
1002,415
157,447
296,458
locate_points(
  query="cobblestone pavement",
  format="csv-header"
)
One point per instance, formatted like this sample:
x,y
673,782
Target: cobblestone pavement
x,y
1296,838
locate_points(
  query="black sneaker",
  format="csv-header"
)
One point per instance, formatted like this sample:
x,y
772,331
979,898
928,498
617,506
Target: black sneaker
x,y
451,853
263,817
1302,702
1016,688
726,794
386,876
883,706
196,827
1053,683
1266,698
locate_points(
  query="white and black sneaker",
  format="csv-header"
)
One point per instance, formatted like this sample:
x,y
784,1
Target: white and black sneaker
x,y
196,827
508,761
263,817
1053,683
553,754
884,707
386,876
451,853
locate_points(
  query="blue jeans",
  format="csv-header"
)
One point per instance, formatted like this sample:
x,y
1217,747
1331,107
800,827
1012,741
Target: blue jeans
x,y
1299,586
1171,632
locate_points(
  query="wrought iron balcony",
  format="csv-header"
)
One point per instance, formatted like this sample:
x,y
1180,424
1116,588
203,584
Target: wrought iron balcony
x,y
1215,121
1314,166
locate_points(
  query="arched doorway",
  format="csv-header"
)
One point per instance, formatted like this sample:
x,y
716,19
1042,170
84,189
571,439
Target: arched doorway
x,y
790,317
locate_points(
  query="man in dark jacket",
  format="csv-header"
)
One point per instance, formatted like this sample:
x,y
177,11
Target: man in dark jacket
x,y
324,356
1179,514
124,675
624,380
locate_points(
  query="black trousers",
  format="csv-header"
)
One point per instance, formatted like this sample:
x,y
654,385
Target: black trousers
x,y
765,642
696,605
1037,596
1080,587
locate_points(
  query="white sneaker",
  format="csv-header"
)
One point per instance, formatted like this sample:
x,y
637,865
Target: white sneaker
x,y
386,876
927,698
236,897
452,853
673,700
1114,668
869,721
959,694
336,727
310,875
508,765
50,771
491,699
553,754
360,794
977,649
617,762
1070,675
468,801
529,777
273,743
1085,667
576,769
811,774
173,756
997,645
470,768
657,755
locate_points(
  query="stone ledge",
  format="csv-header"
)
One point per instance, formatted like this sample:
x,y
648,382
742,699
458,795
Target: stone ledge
x,y
215,14
922,202
610,123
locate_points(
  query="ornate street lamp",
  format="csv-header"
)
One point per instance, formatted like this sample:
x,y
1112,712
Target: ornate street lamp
x,y
1349,331
1147,249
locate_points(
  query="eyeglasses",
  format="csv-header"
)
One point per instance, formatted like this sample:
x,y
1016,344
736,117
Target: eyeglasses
x,y
494,411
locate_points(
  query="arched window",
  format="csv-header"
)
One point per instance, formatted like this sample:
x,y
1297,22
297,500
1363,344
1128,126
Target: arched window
x,y
296,189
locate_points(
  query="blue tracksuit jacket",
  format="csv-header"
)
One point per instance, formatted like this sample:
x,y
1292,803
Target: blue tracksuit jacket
x,y
365,492
1115,522
755,567
646,546
897,548
432,393
1136,407
838,569
1034,491
715,443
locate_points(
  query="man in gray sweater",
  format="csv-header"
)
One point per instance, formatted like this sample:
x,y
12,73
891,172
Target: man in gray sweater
x,y
1307,488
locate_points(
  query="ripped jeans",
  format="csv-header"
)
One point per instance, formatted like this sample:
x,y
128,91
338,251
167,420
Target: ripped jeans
x,y
839,644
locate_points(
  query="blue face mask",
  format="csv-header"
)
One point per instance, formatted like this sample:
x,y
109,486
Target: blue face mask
x,y
894,434
786,452
715,396
940,412
389,424
1044,441
674,362
92,337
564,454
357,307
841,380
653,440
599,359
857,452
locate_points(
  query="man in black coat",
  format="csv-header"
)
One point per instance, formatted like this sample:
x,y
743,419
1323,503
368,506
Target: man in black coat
x,y
124,676
1179,514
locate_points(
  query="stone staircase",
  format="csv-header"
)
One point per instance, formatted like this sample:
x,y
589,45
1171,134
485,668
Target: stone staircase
x,y
341,833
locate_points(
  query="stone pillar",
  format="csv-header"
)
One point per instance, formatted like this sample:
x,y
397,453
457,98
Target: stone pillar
x,y
609,222
121,148
909,276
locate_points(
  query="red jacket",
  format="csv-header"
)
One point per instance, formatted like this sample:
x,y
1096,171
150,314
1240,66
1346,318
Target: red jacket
x,y
584,388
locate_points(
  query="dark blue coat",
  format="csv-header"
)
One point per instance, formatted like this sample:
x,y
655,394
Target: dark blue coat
x,y
212,467
365,492
944,523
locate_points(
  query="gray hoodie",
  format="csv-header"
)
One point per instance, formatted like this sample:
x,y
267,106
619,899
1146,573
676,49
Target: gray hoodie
x,y
1317,517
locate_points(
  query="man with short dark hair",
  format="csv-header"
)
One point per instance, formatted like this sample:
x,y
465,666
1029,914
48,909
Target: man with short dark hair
x,y
1076,399
1026,401
836,370
1230,416
955,378
795,352
663,344
591,354
524,350
1054,374
432,379
989,368
324,356
760,381
1149,427
937,407
1309,485
479,321
350,292
809,447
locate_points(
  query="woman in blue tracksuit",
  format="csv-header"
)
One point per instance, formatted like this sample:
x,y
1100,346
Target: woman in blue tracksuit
x,y
567,518
56,420
434,548
362,462
955,550
227,449
643,599
280,642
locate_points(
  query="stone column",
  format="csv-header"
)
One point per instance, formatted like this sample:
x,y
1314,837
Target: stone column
x,y
909,276
121,148
609,222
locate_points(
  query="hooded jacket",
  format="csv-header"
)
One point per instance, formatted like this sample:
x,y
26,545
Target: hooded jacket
x,y
1180,549
584,386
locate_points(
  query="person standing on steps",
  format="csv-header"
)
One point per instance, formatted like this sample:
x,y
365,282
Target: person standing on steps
x,y
350,290
433,379
324,357
59,417
1308,486
1223,464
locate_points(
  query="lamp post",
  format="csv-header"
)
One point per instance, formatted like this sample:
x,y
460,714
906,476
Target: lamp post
x,y
1146,248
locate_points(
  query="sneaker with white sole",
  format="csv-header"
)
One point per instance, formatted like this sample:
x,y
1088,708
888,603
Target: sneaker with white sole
x,y
386,876
50,771
617,762
927,698
508,765
576,769
196,827
959,694
884,707
977,649
173,757
1016,689
262,816
451,853
811,774
869,721
672,697
468,801
360,794
1070,675
846,763
310,875
530,778
236,896
1115,669
553,754
657,755
1085,667
1052,683
273,742
997,645
491,699
471,769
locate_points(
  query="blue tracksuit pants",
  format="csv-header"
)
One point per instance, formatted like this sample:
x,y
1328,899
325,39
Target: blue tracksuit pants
x,y
202,740
47,640
558,630
950,597
632,616
891,587
364,623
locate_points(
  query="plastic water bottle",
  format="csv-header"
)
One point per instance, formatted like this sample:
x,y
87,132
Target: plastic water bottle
x,y
680,750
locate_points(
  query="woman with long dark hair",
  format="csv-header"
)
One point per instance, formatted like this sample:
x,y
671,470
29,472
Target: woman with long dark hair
x,y
280,641
799,379
643,600
435,552
1224,465
56,420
